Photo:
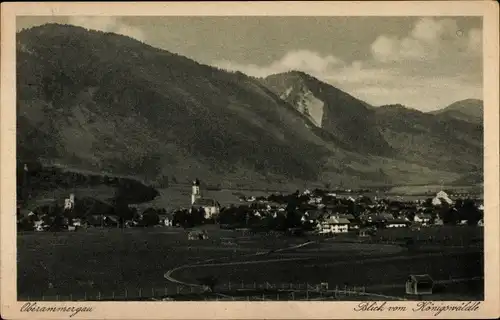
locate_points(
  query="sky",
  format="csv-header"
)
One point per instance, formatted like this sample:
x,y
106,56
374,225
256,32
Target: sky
x,y
424,63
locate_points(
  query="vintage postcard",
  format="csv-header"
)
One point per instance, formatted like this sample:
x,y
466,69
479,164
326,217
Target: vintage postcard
x,y
252,160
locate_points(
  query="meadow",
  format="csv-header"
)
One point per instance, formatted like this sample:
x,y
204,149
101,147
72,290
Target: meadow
x,y
133,262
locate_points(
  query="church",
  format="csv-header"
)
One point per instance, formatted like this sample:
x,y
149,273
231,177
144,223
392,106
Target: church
x,y
209,205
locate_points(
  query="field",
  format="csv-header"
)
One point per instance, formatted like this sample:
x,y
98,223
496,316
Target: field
x,y
138,263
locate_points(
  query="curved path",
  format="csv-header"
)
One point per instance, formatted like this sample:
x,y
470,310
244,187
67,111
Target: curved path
x,y
169,274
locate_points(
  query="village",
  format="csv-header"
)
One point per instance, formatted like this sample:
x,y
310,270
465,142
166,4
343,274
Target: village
x,y
308,212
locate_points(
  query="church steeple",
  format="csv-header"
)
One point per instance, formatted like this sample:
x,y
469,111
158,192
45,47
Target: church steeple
x,y
195,194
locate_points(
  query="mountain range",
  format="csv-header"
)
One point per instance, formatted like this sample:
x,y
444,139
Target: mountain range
x,y
89,100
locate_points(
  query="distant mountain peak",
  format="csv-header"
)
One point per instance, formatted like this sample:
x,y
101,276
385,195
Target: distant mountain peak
x,y
470,110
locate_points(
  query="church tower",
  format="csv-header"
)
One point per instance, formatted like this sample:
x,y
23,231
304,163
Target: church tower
x,y
195,194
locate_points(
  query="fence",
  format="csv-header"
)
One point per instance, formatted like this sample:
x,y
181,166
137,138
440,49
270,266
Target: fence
x,y
235,291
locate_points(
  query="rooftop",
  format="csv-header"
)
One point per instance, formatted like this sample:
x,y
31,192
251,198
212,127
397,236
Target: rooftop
x,y
205,202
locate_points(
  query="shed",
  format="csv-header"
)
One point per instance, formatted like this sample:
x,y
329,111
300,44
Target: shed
x,y
419,284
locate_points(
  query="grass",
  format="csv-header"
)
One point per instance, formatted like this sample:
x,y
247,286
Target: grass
x,y
114,261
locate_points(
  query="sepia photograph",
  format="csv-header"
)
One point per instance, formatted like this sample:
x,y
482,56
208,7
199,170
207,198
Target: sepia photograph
x,y
250,158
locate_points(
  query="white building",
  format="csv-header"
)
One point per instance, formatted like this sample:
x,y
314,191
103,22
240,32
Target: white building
x,y
210,206
422,218
69,203
441,197
397,223
334,224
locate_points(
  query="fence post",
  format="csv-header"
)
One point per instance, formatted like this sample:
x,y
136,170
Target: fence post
x,y
71,297
140,292
113,295
307,293
85,298
99,295
152,292
126,293
57,297
229,285
166,291
29,298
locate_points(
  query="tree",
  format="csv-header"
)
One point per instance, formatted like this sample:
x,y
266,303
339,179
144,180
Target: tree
x,y
150,217
57,221
428,203
121,205
449,215
196,217
292,215
181,218
470,212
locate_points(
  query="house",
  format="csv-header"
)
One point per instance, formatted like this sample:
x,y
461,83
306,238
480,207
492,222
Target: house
x,y
440,198
397,223
210,206
376,219
363,233
313,215
77,222
419,284
423,218
438,221
69,203
334,224
315,200
103,220
385,216
348,216
166,219
39,225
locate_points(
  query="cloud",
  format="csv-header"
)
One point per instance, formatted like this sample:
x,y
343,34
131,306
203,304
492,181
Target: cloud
x,y
108,24
475,41
433,65
430,39
304,60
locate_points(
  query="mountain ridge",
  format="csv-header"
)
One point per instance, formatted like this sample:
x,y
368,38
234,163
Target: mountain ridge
x,y
105,102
